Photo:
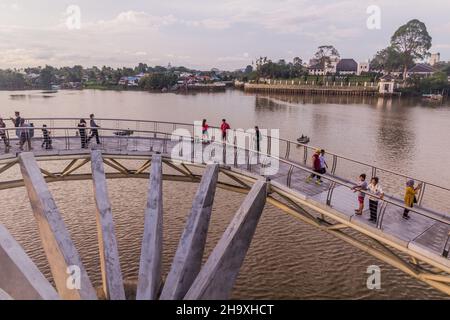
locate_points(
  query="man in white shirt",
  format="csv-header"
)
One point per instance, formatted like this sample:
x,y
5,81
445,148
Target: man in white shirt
x,y
376,194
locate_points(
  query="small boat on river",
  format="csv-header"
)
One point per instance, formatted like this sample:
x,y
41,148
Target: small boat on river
x,y
303,139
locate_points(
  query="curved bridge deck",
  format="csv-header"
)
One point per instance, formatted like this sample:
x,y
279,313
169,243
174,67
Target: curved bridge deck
x,y
329,206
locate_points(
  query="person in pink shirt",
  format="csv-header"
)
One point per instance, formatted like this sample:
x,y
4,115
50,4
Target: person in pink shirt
x,y
224,127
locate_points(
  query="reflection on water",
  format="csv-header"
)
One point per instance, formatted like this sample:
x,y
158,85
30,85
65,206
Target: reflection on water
x,y
287,259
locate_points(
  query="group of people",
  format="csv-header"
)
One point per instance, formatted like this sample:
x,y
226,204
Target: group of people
x,y
320,166
25,133
376,194
224,128
84,137
373,189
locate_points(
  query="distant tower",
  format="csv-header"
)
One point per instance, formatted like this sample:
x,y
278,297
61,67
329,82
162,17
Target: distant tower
x,y
169,66
434,58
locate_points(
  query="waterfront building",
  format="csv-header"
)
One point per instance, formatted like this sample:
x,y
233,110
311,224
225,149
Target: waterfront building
x,y
421,70
347,67
387,85
434,58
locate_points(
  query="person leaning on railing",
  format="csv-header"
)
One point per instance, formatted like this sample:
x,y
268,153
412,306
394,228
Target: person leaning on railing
x,y
410,197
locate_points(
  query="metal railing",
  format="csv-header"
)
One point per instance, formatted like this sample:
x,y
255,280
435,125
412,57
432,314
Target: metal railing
x,y
290,150
158,140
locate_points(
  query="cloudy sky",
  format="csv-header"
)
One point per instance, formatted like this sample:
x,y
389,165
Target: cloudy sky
x,y
227,34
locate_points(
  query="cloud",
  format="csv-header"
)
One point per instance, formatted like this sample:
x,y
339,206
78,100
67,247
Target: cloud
x,y
203,33
235,58
132,20
10,6
210,23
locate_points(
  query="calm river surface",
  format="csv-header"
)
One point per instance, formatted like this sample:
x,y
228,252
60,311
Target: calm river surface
x,y
287,259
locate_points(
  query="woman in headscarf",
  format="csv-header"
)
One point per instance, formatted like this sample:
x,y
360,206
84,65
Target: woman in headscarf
x,y
410,197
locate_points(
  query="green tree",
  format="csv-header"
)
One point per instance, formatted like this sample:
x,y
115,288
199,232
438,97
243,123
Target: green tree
x,y
158,81
325,55
388,60
412,41
47,76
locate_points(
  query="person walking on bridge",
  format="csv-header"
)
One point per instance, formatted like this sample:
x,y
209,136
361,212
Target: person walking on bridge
x,y
316,168
410,197
323,163
94,131
376,195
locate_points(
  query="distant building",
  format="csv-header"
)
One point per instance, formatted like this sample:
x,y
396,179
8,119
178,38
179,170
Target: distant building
x,y
347,67
123,81
363,67
129,81
316,70
421,70
133,81
387,85
434,58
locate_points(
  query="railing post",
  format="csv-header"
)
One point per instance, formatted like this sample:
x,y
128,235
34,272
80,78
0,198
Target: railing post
x,y
381,214
165,144
330,193
334,165
235,153
289,176
193,149
421,194
305,155
446,249
288,149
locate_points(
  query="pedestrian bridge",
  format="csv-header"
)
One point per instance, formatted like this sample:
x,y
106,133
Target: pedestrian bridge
x,y
174,151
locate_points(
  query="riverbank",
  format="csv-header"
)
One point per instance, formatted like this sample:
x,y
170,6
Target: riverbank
x,y
340,89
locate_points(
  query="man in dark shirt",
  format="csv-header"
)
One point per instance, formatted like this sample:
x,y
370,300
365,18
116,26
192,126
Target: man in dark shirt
x,y
94,132
17,121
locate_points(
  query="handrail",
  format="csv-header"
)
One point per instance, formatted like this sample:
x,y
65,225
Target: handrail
x,y
279,139
425,212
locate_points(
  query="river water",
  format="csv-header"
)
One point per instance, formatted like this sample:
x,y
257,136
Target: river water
x,y
287,259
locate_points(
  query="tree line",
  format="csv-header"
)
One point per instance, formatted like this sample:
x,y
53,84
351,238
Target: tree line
x,y
410,43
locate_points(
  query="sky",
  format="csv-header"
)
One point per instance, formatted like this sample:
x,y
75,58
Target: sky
x,y
205,34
